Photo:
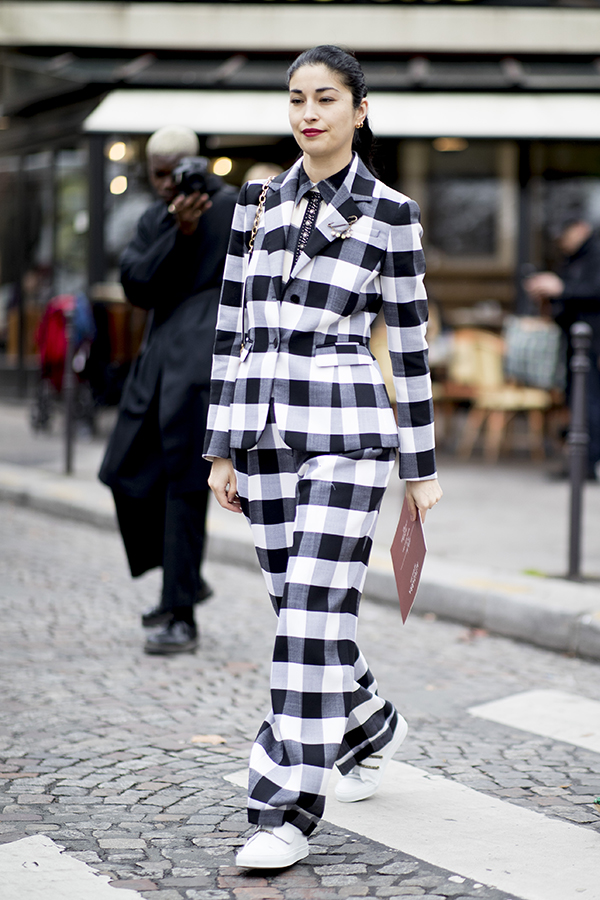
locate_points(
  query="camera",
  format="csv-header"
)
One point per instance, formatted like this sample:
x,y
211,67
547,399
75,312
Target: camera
x,y
192,175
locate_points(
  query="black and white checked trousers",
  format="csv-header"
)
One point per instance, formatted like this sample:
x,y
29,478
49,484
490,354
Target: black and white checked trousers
x,y
313,518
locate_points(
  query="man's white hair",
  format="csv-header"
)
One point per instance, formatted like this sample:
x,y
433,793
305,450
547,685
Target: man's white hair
x,y
173,140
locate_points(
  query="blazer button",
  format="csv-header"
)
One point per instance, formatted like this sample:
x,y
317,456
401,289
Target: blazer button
x,y
294,298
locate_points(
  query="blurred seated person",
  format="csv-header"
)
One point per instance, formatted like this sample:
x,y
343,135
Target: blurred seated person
x,y
573,295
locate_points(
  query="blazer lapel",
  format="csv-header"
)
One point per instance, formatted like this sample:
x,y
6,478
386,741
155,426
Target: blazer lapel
x,y
277,223
340,214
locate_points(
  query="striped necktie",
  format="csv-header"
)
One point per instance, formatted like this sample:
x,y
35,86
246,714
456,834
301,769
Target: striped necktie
x,y
308,222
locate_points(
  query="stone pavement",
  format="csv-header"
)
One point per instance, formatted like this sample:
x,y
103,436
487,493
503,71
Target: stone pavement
x,y
497,542
120,758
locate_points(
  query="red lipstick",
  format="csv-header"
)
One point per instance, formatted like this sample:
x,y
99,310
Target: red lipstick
x,y
311,132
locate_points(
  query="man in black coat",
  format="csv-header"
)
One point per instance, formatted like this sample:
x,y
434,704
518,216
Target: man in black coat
x,y
574,296
173,268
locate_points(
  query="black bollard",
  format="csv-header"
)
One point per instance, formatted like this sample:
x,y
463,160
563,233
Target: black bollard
x,y
581,336
69,391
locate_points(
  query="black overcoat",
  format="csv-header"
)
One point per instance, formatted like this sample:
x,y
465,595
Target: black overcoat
x,y
159,434
580,299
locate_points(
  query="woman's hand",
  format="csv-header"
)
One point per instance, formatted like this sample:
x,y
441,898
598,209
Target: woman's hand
x,y
422,495
223,484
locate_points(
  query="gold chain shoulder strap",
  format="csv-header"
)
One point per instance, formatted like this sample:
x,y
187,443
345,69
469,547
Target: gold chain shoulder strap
x,y
259,212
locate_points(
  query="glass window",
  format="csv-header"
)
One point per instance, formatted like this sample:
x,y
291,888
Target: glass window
x,y
128,195
467,191
463,198
72,220
10,253
571,198
26,247
37,223
565,185
38,171
463,215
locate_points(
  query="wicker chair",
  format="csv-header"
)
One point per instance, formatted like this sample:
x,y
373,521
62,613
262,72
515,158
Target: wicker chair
x,y
476,374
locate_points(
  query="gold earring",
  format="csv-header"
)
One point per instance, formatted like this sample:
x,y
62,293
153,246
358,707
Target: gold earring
x,y
360,124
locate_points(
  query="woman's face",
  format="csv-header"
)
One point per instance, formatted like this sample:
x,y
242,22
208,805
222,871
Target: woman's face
x,y
322,114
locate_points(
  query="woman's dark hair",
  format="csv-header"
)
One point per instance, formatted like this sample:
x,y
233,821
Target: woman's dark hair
x,y
348,69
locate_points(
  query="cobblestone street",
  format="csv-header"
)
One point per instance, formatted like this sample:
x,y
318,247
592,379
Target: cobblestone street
x,y
120,757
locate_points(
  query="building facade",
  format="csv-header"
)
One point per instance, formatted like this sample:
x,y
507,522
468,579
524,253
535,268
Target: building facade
x,y
487,114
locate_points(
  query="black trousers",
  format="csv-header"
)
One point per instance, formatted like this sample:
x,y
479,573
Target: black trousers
x,y
166,529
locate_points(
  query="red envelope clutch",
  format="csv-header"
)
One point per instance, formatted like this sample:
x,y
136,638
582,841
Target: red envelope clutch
x,y
408,553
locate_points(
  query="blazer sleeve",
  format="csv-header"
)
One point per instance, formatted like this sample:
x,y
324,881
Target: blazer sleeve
x,y
228,335
405,312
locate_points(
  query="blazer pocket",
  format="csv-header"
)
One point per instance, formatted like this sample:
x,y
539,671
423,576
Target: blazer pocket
x,y
363,231
343,354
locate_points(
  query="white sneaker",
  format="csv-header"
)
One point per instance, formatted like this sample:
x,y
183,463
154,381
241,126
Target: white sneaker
x,y
273,848
364,779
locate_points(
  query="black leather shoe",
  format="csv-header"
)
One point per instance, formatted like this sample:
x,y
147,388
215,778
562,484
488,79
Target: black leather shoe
x,y
177,637
156,615
160,615
204,592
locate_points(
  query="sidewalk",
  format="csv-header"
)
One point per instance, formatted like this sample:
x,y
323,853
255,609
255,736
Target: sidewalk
x,y
497,542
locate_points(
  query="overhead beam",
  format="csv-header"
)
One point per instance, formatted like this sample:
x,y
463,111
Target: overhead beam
x,y
419,114
289,27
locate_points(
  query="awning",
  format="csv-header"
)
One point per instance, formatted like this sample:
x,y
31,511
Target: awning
x,y
207,112
422,114
524,116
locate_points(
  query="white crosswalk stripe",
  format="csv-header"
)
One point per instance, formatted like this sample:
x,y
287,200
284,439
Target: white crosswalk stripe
x,y
436,819
554,714
36,869
454,827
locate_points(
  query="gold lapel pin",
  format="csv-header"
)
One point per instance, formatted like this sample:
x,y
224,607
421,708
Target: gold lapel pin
x,y
346,232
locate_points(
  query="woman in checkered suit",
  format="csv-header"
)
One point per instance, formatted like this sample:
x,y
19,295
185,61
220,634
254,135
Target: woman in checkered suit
x,y
303,438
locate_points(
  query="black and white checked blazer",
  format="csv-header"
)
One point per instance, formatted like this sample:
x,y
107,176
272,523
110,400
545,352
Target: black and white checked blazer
x,y
307,345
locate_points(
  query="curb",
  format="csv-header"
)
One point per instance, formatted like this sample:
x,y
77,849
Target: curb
x,y
45,500
61,510
550,613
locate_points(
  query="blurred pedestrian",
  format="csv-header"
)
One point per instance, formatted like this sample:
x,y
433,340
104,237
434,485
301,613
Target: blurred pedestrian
x,y
52,339
304,440
573,295
173,267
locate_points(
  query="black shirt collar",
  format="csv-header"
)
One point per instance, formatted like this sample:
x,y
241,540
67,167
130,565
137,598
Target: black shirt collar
x,y
327,188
